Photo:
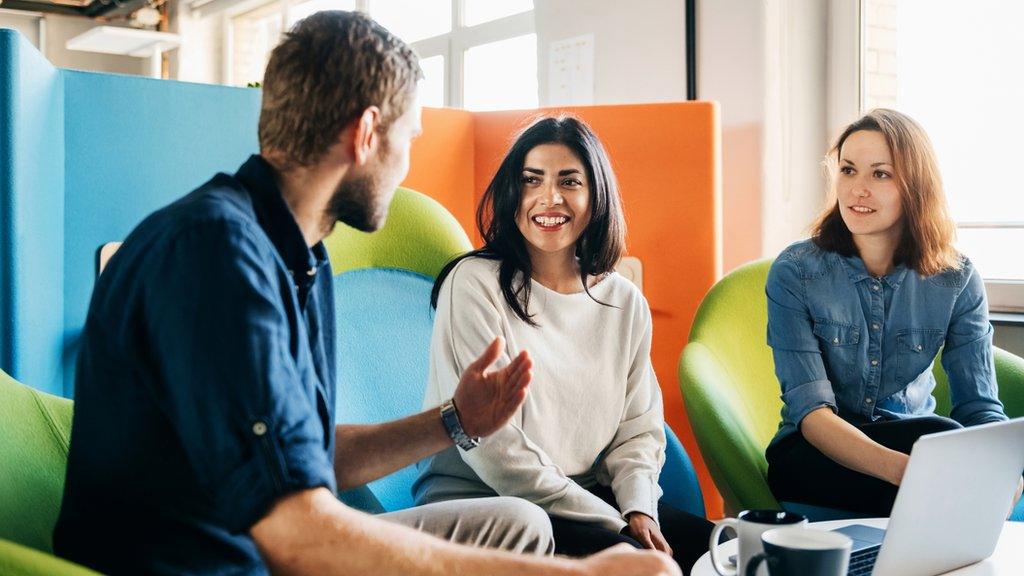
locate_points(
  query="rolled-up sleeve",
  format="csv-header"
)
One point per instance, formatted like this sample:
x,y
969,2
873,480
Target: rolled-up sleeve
x,y
968,360
229,382
798,363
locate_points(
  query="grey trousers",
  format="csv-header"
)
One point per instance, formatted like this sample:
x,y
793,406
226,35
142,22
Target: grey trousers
x,y
503,522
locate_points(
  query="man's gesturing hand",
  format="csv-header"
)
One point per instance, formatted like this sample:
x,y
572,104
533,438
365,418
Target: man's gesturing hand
x,y
485,398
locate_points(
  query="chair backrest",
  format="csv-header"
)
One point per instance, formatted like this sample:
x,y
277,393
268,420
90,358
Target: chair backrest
x,y
35,428
726,375
732,321
382,302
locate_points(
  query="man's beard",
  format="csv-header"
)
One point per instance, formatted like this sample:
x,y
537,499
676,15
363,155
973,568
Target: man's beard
x,y
355,203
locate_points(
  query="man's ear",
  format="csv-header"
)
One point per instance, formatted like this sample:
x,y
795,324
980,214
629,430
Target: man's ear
x,y
365,136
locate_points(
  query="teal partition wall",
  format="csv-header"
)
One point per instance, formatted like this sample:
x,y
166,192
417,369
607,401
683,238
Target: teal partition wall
x,y
83,158
31,213
159,141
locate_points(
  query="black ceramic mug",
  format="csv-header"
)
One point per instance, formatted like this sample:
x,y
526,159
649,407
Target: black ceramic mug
x,y
803,552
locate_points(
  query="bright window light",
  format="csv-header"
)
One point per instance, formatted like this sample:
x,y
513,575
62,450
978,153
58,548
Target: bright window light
x,y
254,34
302,9
432,85
948,64
501,75
480,11
413,20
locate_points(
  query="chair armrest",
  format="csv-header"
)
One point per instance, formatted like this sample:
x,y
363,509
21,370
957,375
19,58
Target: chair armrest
x,y
678,478
18,560
727,444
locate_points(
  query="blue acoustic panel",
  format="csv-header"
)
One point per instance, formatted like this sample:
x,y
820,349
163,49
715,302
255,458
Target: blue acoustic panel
x,y
31,214
384,324
134,145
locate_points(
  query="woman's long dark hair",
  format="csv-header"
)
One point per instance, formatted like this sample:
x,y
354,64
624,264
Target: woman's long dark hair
x,y
598,247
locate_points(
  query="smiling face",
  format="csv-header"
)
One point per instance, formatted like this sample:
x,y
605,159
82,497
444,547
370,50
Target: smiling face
x,y
868,195
554,205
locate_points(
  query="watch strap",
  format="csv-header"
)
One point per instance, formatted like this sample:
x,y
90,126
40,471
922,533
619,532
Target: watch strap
x,y
453,426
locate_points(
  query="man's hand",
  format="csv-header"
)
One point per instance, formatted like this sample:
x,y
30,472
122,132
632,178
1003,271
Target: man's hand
x,y
645,530
624,560
486,399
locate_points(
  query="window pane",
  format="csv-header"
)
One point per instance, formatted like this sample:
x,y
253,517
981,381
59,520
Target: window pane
x,y
994,252
300,10
413,20
432,85
502,75
253,36
948,64
480,11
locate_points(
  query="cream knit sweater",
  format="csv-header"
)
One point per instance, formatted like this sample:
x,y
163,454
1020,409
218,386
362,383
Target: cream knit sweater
x,y
594,411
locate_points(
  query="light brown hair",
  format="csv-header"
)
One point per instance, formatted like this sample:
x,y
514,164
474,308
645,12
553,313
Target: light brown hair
x,y
329,68
928,230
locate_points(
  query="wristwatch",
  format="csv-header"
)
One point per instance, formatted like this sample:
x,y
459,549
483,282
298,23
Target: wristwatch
x,y
450,419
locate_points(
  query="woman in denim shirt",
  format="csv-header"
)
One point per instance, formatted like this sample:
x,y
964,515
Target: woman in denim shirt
x,y
856,317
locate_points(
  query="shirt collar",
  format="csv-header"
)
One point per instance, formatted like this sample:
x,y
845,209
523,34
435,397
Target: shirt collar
x,y
858,272
277,220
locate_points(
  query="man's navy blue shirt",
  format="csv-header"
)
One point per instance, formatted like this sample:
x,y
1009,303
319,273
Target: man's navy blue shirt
x,y
205,385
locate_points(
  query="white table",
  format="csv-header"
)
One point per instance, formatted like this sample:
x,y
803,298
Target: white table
x,y
1008,558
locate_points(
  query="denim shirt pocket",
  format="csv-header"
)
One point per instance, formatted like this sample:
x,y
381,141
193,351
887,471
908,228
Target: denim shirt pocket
x,y
915,351
839,344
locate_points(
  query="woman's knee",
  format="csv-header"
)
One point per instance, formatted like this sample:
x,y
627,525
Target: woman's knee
x,y
933,424
527,526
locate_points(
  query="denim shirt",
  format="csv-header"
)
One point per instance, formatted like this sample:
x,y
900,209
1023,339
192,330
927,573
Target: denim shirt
x,y
864,346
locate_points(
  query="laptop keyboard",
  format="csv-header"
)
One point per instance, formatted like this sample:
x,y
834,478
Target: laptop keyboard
x,y
862,561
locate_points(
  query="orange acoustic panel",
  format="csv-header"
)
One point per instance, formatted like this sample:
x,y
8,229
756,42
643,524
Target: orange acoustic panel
x,y
666,158
442,161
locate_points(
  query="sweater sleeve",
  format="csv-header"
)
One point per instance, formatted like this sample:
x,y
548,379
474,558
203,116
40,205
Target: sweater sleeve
x,y
636,454
467,320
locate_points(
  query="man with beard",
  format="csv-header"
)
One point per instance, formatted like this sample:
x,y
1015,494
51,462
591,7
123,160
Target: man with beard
x,y
204,438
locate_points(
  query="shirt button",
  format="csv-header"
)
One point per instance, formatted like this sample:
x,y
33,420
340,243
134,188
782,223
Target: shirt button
x,y
874,362
874,326
874,287
259,428
867,401
919,347
311,271
835,340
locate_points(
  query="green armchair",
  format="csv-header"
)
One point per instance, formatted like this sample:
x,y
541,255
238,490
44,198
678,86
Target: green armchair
x,y
727,377
34,431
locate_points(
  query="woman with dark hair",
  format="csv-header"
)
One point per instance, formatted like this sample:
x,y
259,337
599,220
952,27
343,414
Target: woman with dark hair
x,y
856,317
589,443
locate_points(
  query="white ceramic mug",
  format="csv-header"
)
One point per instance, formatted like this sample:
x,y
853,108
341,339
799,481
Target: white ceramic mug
x,y
748,526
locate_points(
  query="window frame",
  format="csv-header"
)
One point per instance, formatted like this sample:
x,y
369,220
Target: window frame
x,y
453,45
845,101
450,45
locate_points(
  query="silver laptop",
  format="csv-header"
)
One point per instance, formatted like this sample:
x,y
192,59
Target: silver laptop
x,y
952,503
